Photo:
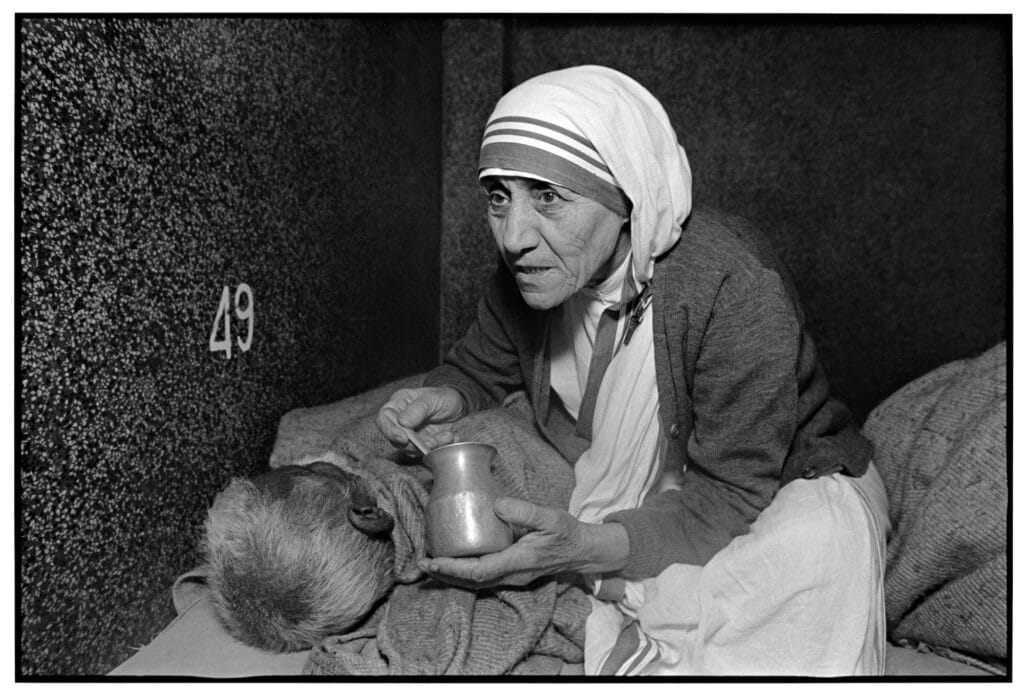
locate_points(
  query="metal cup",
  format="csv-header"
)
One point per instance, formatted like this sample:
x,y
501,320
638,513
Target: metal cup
x,y
460,512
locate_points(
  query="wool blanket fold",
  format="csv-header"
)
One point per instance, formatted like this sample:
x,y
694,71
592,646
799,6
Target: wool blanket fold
x,y
427,628
940,445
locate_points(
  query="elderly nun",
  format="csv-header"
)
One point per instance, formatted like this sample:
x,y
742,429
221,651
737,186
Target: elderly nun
x,y
726,514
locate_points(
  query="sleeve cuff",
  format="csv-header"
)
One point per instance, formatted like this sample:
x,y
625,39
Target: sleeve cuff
x,y
645,556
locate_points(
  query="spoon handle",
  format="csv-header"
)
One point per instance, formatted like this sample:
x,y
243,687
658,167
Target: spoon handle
x,y
414,439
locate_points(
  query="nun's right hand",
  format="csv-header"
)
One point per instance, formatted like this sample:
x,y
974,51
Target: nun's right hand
x,y
426,410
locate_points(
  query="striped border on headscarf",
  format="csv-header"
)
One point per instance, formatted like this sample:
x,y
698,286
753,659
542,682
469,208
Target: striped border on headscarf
x,y
532,145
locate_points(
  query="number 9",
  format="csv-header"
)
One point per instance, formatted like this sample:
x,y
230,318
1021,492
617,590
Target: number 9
x,y
245,313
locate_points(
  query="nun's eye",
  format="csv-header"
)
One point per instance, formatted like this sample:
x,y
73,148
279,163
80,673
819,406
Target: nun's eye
x,y
548,196
497,199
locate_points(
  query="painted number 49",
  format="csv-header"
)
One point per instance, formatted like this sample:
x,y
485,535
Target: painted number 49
x,y
243,312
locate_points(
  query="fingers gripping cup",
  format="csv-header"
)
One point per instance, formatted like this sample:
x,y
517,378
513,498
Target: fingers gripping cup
x,y
460,512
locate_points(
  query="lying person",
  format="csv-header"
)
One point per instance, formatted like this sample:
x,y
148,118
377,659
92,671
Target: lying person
x,y
301,555
296,554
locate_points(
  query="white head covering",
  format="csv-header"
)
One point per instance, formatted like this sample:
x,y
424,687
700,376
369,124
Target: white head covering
x,y
601,134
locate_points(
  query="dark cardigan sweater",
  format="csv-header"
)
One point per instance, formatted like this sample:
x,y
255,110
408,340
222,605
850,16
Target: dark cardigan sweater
x,y
743,400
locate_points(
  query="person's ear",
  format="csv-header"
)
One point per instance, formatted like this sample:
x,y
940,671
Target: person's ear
x,y
372,520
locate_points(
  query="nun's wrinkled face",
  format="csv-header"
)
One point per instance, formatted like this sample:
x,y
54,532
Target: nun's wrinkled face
x,y
553,240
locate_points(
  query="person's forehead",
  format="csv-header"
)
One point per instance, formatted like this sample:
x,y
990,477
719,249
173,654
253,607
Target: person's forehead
x,y
508,181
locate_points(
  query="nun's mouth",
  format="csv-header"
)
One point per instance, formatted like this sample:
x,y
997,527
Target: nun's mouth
x,y
531,270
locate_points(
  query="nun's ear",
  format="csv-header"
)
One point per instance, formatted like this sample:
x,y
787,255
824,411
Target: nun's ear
x,y
372,520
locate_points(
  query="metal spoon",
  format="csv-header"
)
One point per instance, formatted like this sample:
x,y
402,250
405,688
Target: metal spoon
x,y
411,435
415,440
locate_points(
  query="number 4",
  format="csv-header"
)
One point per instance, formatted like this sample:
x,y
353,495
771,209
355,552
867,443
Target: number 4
x,y
243,313
222,311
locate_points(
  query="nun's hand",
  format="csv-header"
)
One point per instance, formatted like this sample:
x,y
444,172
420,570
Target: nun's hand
x,y
426,410
555,542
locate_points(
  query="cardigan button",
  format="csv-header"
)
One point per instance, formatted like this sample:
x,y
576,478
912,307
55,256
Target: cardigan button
x,y
673,431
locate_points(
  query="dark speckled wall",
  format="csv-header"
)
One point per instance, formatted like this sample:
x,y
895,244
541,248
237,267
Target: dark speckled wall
x,y
162,160
872,151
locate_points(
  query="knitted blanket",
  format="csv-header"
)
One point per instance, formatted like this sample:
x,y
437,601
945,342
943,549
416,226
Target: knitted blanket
x,y
427,628
940,445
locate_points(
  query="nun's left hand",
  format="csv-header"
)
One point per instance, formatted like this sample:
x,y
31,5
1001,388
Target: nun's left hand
x,y
556,543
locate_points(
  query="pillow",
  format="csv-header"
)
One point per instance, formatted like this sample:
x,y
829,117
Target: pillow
x,y
940,446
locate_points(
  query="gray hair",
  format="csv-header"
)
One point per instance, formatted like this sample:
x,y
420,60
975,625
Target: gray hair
x,y
285,572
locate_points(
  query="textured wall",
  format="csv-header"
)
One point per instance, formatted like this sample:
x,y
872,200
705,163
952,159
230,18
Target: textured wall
x,y
874,154
473,83
161,161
